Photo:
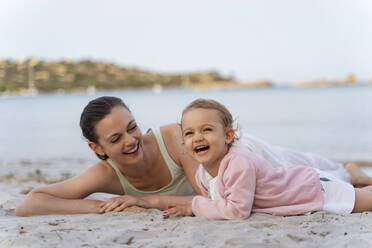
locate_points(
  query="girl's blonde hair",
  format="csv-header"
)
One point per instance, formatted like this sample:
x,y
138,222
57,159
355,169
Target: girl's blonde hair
x,y
224,114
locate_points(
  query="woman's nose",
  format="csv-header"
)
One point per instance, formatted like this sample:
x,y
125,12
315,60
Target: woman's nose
x,y
129,140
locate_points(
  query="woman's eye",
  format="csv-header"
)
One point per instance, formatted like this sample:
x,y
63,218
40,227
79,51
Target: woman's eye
x,y
132,128
115,139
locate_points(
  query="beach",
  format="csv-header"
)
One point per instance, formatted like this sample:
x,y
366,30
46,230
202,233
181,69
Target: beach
x,y
151,228
44,146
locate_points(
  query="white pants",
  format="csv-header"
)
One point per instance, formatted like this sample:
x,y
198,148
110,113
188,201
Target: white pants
x,y
338,196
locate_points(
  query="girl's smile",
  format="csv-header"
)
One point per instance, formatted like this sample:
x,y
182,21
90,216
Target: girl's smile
x,y
202,149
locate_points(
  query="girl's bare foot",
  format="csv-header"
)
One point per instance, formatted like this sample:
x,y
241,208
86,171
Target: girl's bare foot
x,y
357,176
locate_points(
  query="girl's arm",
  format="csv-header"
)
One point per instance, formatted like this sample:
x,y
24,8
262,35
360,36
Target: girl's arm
x,y
239,183
67,197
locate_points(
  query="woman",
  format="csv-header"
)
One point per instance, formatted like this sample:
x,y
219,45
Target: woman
x,y
158,172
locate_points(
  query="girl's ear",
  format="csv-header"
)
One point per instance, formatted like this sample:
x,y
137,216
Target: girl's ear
x,y
96,148
230,133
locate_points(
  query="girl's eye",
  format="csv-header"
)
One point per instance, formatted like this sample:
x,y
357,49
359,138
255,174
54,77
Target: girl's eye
x,y
187,133
207,129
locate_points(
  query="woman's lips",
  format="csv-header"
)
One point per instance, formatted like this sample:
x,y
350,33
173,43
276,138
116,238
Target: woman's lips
x,y
132,152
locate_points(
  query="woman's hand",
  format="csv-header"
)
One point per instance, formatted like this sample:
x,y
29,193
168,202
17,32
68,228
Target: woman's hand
x,y
180,210
117,204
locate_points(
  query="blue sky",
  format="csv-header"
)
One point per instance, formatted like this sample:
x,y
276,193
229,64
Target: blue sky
x,y
281,40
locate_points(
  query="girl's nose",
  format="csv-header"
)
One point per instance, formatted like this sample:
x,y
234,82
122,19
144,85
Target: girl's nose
x,y
198,137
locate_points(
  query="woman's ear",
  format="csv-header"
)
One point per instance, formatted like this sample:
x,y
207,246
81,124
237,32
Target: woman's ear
x,y
96,148
230,133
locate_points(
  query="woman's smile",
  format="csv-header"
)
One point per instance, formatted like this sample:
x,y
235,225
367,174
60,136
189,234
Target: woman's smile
x,y
134,151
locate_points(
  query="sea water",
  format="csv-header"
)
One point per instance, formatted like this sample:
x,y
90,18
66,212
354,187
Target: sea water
x,y
335,122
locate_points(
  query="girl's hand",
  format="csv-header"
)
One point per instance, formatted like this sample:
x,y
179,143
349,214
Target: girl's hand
x,y
117,204
180,210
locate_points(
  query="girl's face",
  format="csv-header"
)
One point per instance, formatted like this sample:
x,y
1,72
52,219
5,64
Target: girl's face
x,y
205,137
119,137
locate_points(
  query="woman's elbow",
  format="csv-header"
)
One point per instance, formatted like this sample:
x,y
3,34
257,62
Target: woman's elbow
x,y
22,210
26,207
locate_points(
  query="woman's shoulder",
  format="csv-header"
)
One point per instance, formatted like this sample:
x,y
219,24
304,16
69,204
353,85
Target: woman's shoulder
x,y
103,166
101,169
172,128
103,176
172,136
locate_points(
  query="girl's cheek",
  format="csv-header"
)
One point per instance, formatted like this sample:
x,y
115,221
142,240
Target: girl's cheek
x,y
188,146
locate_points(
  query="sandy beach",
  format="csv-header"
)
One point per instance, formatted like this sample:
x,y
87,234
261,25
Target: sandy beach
x,y
151,228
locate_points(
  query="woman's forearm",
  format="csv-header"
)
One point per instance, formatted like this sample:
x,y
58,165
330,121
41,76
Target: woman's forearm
x,y
163,201
45,204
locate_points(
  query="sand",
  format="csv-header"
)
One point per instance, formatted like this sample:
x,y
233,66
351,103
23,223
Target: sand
x,y
152,229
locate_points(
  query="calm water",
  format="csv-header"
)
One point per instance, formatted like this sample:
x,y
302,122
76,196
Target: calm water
x,y
335,122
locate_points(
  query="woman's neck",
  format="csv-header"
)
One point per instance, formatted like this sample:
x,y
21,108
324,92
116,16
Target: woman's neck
x,y
145,165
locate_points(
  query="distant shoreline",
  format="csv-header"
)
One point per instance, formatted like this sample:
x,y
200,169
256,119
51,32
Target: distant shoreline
x,y
25,92
32,76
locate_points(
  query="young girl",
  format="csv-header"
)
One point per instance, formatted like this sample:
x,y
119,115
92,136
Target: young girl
x,y
235,182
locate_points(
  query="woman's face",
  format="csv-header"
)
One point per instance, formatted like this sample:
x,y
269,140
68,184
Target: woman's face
x,y
119,137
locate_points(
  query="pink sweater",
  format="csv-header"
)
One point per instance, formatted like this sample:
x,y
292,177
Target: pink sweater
x,y
247,182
